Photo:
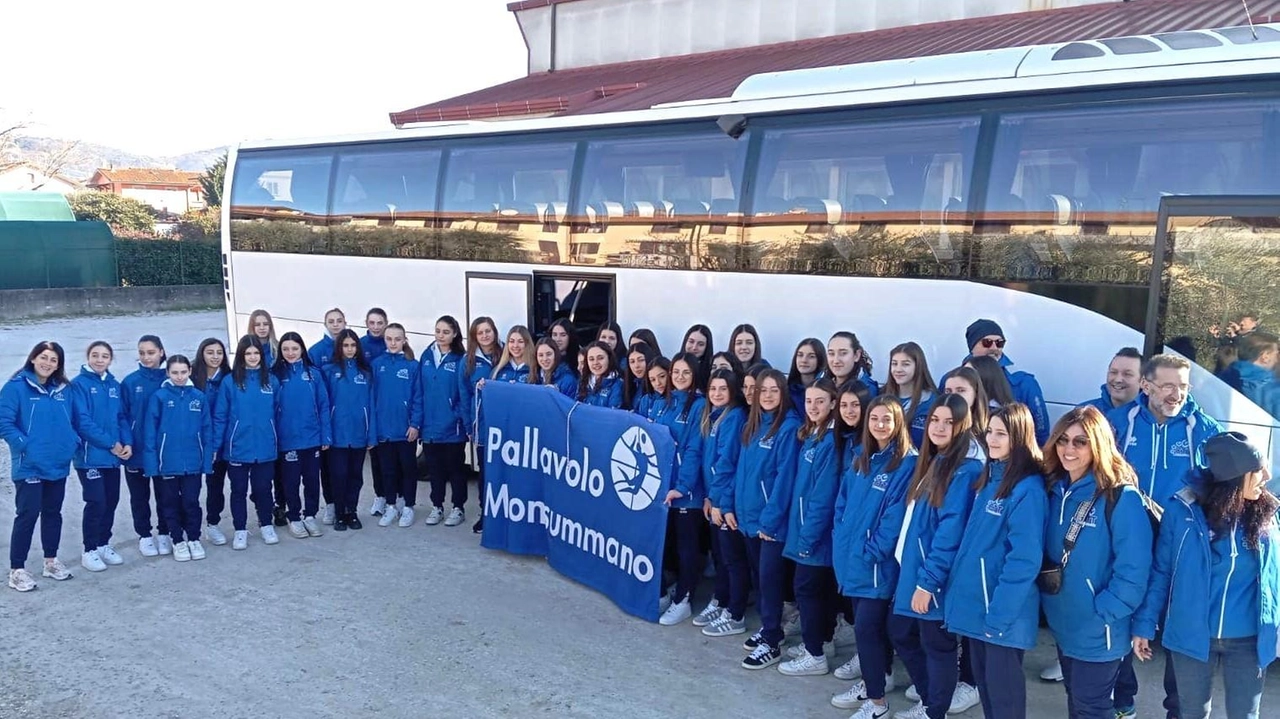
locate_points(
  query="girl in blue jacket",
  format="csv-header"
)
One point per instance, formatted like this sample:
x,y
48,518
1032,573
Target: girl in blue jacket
x,y
244,431
1217,575
483,352
210,369
399,422
808,362
685,520
938,502
635,372
847,360
721,428
513,366
443,419
809,523
178,447
744,345
911,383
657,389
304,426
136,390
349,380
551,370
869,511
766,472
565,337
992,597
105,441
325,349
264,328
35,421
600,385
1105,578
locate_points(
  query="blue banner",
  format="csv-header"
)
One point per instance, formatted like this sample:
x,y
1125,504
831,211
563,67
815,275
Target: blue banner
x,y
581,485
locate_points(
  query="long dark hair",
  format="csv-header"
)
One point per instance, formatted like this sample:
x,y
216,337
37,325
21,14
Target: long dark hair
x,y
936,467
695,370
734,363
611,368
703,330
629,389
979,409
734,383
155,340
281,367
535,369
59,376
921,383
756,416
339,359
457,346
240,373
809,428
646,335
570,355
663,364
1025,459
847,436
620,348
1224,505
746,329
200,372
994,381
815,344
863,365
900,442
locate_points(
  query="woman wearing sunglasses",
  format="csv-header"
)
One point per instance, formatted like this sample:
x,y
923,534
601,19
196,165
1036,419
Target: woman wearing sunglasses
x,y
1099,539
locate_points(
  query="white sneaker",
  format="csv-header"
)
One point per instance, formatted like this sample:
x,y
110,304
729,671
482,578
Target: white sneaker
x,y
806,665
436,516
147,547
379,506
965,698
298,530
406,517
197,549
849,671
241,540
181,552
164,543
708,614
269,535
844,635
799,650
21,580
456,517
676,613
911,694
312,527
110,555
326,516
215,535
55,570
858,694
1052,673
389,516
915,712
871,710
725,626
92,561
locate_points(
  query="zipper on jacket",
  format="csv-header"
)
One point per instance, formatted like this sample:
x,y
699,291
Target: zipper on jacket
x,y
160,463
764,491
1226,587
920,544
875,575
802,511
231,441
1107,628
986,596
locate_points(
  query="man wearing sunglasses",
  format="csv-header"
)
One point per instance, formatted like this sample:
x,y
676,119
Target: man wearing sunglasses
x,y
985,338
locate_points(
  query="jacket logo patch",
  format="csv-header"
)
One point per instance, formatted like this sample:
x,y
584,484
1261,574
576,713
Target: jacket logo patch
x,y
881,482
169,404
449,366
402,374
92,474
291,456
809,454
112,392
267,390
1133,442
1180,448
766,443
1092,519
194,406
93,390
360,379
995,507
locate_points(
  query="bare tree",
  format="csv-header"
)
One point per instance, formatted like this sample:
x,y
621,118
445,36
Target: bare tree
x,y
49,161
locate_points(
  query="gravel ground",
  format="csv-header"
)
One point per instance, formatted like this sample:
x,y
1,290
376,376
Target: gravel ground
x,y
389,622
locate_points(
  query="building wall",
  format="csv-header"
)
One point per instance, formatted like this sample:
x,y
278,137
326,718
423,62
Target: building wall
x,y
599,32
22,179
176,201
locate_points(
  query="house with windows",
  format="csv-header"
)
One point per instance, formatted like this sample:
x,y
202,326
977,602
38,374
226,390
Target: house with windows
x,y
168,191
29,178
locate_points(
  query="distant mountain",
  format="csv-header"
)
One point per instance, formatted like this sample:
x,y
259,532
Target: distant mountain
x,y
87,157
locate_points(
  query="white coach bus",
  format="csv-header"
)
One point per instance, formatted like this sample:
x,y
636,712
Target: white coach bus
x,y
1087,196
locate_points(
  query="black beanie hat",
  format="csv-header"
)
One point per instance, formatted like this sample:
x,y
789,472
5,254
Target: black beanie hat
x,y
1229,456
980,329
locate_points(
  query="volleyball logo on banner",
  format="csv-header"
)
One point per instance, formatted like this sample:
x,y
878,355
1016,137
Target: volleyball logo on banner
x,y
634,464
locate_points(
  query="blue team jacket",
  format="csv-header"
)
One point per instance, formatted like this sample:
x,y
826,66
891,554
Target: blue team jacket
x,y
374,347
244,419
35,420
1180,585
813,498
443,415
932,538
920,418
396,404
1105,579
869,511
1102,402
562,379
517,374
992,594
651,406
606,393
766,473
177,434
467,381
321,352
721,448
302,412
689,447
1161,454
136,390
351,405
99,419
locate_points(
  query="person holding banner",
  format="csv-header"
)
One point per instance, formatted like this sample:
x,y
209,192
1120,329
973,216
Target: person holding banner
x,y
762,497
685,519
551,369
483,351
721,427
809,522
600,385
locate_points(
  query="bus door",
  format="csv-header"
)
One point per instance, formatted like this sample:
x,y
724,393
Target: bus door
x,y
1216,272
503,296
587,301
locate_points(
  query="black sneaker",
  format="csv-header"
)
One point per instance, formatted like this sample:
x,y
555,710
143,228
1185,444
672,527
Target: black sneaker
x,y
752,642
478,527
340,523
280,518
353,521
763,656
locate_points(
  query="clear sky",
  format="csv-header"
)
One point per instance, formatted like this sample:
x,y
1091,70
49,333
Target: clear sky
x,y
162,77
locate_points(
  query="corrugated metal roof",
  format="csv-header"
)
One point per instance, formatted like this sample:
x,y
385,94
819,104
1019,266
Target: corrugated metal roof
x,y
645,83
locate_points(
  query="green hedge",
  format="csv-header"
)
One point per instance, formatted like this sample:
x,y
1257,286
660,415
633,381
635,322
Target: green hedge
x,y
168,262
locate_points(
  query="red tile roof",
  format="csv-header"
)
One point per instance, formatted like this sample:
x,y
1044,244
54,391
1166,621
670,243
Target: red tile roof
x,y
144,176
644,83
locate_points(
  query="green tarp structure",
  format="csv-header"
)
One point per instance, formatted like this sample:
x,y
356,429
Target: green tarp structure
x,y
35,206
57,254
